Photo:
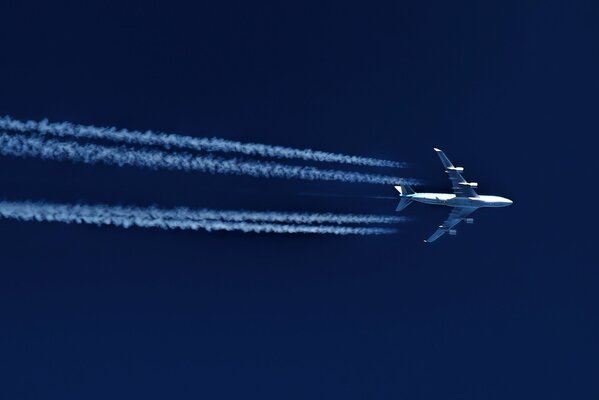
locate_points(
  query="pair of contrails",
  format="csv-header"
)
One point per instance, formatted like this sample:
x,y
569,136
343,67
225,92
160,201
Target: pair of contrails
x,y
62,142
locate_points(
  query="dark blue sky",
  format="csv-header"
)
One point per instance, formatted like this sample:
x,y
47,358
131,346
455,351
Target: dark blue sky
x,y
507,309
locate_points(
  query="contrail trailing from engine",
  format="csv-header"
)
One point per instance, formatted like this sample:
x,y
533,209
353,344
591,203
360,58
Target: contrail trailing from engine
x,y
183,213
127,217
66,129
26,146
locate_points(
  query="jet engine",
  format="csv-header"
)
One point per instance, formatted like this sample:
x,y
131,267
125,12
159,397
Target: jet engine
x,y
471,184
453,232
469,220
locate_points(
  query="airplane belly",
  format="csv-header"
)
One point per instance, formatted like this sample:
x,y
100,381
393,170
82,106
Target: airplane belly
x,y
462,202
431,201
443,199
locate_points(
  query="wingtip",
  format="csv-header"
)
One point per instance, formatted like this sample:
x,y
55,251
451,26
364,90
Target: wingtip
x,y
425,241
436,149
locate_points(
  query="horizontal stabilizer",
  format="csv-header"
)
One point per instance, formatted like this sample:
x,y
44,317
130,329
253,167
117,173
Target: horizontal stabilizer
x,y
403,203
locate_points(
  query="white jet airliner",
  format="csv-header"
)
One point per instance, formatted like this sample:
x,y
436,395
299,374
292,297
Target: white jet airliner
x,y
464,200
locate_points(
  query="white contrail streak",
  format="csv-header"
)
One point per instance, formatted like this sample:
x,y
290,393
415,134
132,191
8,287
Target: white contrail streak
x,y
66,129
127,217
182,213
26,146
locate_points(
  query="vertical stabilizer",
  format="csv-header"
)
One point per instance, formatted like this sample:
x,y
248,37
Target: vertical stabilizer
x,y
404,190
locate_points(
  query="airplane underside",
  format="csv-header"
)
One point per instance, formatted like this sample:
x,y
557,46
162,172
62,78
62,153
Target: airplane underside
x,y
464,200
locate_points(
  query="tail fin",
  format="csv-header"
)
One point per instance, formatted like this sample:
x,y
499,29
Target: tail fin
x,y
404,189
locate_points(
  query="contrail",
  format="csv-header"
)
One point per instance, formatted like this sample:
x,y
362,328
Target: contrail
x,y
359,196
26,146
127,217
183,213
66,129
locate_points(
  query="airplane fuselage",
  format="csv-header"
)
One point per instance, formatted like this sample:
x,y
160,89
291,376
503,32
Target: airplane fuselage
x,y
451,200
464,200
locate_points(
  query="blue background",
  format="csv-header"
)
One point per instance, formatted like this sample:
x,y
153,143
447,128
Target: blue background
x,y
507,309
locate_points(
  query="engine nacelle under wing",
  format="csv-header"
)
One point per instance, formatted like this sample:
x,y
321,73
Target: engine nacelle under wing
x,y
469,184
469,220
453,232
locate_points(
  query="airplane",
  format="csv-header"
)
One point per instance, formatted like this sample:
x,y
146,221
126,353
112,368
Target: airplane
x,y
464,200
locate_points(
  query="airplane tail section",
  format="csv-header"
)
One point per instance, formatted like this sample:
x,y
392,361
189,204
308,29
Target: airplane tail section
x,y
404,189
403,203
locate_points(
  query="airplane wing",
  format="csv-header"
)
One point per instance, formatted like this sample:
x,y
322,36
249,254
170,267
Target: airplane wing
x,y
459,185
455,217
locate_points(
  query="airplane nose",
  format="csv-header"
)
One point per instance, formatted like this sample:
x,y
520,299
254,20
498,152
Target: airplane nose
x,y
508,202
